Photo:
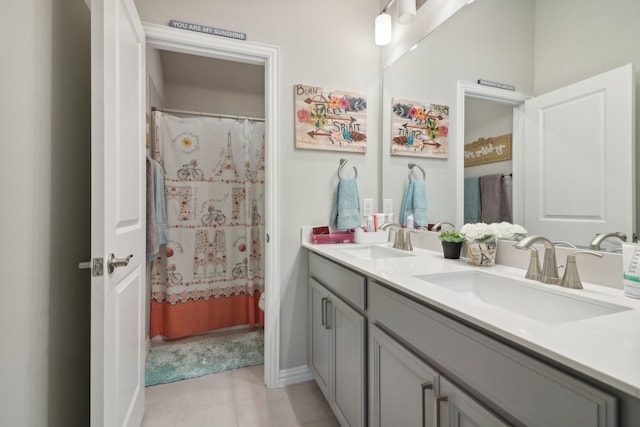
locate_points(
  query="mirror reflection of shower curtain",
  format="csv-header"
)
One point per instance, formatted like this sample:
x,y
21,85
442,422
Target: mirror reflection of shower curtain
x,y
211,274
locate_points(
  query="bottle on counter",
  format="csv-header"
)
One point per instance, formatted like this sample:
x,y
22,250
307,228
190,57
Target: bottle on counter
x,y
409,223
370,227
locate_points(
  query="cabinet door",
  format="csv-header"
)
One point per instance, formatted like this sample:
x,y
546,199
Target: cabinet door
x,y
455,408
402,386
320,335
349,348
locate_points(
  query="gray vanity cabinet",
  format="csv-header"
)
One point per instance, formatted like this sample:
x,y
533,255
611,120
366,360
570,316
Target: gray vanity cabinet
x,y
337,338
457,409
517,387
320,338
406,391
402,387
428,368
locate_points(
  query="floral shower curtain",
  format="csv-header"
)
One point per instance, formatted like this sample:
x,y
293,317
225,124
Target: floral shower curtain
x,y
211,274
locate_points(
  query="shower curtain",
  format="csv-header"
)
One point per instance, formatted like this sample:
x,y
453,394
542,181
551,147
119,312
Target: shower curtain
x,y
210,275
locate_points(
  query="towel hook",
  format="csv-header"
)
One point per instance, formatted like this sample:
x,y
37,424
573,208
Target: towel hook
x,y
413,165
342,163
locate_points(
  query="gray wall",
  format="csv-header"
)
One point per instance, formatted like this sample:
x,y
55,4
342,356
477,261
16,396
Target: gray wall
x,y
45,213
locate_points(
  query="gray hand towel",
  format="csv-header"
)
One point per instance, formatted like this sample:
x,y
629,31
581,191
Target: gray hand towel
x,y
507,199
491,196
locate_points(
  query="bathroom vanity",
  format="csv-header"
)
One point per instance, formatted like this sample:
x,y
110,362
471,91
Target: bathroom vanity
x,y
402,338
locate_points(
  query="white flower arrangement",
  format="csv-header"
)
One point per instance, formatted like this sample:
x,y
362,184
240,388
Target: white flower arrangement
x,y
480,231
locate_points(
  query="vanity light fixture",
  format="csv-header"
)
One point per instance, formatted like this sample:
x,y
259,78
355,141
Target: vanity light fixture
x,y
383,28
406,11
406,15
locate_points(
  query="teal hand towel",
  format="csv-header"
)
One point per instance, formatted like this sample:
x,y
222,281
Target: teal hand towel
x,y
346,206
419,203
415,203
472,201
407,204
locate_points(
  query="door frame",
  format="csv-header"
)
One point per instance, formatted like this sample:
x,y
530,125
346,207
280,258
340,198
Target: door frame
x,y
193,43
517,99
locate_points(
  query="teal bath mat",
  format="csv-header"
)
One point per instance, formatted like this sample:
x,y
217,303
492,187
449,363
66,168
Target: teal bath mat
x,y
176,362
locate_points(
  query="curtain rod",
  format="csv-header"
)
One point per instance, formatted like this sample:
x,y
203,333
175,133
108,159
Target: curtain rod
x,y
198,113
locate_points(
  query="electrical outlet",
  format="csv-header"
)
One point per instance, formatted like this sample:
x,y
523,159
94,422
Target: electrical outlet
x,y
387,206
367,207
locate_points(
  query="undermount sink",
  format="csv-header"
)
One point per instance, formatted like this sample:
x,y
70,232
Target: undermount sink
x,y
545,306
376,252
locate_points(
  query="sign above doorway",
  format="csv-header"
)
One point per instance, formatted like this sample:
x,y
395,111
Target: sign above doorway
x,y
207,30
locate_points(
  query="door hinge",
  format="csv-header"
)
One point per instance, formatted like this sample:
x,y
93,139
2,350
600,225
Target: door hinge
x,y
96,265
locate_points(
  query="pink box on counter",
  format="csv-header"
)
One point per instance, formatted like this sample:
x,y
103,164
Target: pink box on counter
x,y
336,237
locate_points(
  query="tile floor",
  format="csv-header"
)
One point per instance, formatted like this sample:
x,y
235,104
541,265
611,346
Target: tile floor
x,y
236,398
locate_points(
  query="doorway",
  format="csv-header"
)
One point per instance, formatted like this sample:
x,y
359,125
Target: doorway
x,y
200,45
467,91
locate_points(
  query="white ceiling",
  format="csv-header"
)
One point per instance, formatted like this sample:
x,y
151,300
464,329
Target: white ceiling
x,y
212,74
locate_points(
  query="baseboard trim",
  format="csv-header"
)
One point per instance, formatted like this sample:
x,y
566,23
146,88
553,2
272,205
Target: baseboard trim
x,y
294,375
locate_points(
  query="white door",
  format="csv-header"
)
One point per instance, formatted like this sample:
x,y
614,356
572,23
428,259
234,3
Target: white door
x,y
117,213
579,159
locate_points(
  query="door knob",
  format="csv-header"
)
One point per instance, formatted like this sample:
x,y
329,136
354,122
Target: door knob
x,y
113,262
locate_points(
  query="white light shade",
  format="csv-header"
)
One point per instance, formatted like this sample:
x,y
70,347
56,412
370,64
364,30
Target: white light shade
x,y
383,29
406,11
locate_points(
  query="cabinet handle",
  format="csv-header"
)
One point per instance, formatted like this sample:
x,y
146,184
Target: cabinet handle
x,y
327,324
425,386
437,400
324,312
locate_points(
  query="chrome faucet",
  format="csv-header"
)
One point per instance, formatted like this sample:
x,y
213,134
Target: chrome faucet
x,y
549,266
595,243
534,271
398,241
571,279
566,244
402,240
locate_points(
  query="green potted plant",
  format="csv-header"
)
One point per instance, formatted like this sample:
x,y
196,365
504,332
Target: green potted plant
x,y
451,243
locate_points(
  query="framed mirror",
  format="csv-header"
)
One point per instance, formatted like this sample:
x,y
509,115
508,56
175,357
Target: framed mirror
x,y
536,46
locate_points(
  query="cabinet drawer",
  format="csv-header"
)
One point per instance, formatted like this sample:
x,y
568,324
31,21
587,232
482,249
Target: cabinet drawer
x,y
348,285
514,384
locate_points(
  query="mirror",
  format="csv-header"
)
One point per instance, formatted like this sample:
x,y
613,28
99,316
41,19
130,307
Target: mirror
x,y
535,45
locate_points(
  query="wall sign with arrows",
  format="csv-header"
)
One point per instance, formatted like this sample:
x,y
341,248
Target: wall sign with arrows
x,y
419,129
330,119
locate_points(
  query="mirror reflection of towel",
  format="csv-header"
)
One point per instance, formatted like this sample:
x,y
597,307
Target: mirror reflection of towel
x,y
507,198
496,207
472,212
346,206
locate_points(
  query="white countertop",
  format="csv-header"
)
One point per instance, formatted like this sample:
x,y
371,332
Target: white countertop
x,y
605,347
